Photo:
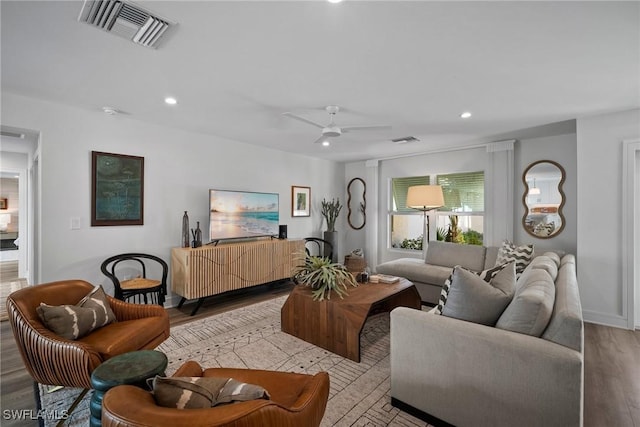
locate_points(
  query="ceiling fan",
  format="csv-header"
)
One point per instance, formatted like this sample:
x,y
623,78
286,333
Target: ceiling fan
x,y
332,130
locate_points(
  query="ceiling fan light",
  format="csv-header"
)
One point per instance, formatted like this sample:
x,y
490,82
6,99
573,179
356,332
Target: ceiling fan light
x,y
465,115
326,143
170,100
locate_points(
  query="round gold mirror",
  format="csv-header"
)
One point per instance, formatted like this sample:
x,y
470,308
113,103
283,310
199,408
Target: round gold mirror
x,y
543,199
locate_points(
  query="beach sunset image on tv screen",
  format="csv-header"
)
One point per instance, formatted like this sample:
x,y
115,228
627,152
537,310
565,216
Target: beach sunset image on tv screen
x,y
242,214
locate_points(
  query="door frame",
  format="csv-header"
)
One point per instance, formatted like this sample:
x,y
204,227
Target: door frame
x,y
631,231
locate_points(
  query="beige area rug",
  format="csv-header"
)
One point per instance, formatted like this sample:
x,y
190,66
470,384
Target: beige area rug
x,y
250,337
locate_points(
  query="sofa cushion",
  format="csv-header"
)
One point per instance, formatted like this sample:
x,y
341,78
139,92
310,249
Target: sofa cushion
x,y
124,336
522,255
532,305
490,257
476,300
566,325
449,254
415,270
202,392
76,321
547,264
554,257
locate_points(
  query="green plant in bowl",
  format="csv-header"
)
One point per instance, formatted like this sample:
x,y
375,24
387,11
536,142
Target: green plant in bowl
x,y
323,276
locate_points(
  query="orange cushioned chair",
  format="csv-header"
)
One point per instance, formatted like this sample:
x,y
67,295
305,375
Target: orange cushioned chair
x,y
297,400
54,360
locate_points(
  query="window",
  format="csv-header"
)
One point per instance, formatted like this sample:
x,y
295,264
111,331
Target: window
x,y
406,224
461,220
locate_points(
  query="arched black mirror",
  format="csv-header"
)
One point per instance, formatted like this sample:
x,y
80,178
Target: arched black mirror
x,y
543,199
357,203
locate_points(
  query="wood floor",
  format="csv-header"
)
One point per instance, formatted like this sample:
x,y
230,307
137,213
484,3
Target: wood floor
x,y
612,364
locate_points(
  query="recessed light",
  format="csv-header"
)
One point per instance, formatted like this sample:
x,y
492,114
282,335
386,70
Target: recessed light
x,y
110,110
465,115
334,1
326,143
170,100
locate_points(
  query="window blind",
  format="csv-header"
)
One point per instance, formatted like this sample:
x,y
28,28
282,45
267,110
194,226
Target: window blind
x,y
463,192
400,187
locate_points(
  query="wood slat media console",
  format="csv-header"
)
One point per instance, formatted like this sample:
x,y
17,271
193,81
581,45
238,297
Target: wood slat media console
x,y
211,270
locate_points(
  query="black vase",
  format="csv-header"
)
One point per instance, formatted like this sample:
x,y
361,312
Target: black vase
x,y
331,237
197,236
185,230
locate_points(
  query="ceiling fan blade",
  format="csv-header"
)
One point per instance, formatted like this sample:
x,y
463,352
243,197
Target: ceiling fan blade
x,y
351,128
302,119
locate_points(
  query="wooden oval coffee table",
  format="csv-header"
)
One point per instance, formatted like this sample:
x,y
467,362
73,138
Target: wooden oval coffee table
x,y
335,324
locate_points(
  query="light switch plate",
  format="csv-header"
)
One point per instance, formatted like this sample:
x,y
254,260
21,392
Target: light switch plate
x,y
75,223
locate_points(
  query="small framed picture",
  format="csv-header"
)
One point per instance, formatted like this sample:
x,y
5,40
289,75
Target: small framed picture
x,y
300,201
4,204
117,189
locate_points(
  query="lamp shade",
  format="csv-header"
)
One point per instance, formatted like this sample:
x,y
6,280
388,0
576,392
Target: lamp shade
x,y
425,197
534,190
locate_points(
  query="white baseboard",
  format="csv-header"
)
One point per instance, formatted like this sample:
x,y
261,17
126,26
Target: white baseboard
x,y
605,319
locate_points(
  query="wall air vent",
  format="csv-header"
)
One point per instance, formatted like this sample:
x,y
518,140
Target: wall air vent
x,y
125,19
12,134
405,139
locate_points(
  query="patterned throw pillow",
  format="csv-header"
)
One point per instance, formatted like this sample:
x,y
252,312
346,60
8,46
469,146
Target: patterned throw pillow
x,y
522,255
202,392
486,275
97,300
75,321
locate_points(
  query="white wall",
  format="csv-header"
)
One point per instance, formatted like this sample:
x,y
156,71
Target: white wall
x,y
599,243
180,167
561,149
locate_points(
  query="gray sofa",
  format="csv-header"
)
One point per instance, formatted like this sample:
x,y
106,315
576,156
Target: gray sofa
x,y
430,274
525,371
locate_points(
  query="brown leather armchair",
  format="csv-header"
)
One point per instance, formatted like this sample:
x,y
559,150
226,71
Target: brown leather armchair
x,y
297,400
53,360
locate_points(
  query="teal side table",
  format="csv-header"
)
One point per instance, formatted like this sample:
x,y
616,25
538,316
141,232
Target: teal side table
x,y
132,368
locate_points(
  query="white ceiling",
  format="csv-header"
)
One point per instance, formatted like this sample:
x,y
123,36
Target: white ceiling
x,y
236,66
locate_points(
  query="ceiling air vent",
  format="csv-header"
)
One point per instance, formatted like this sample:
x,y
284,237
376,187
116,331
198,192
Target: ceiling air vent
x,y
126,20
405,139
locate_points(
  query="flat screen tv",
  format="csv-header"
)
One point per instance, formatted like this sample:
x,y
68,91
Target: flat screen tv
x,y
242,214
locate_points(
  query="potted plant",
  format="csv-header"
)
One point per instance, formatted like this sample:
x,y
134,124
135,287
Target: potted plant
x,y
330,211
323,276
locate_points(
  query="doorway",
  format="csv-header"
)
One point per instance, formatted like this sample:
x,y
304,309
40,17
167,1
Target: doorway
x,y
18,150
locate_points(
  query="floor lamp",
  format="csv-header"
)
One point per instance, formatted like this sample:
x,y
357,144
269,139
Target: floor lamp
x,y
425,198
